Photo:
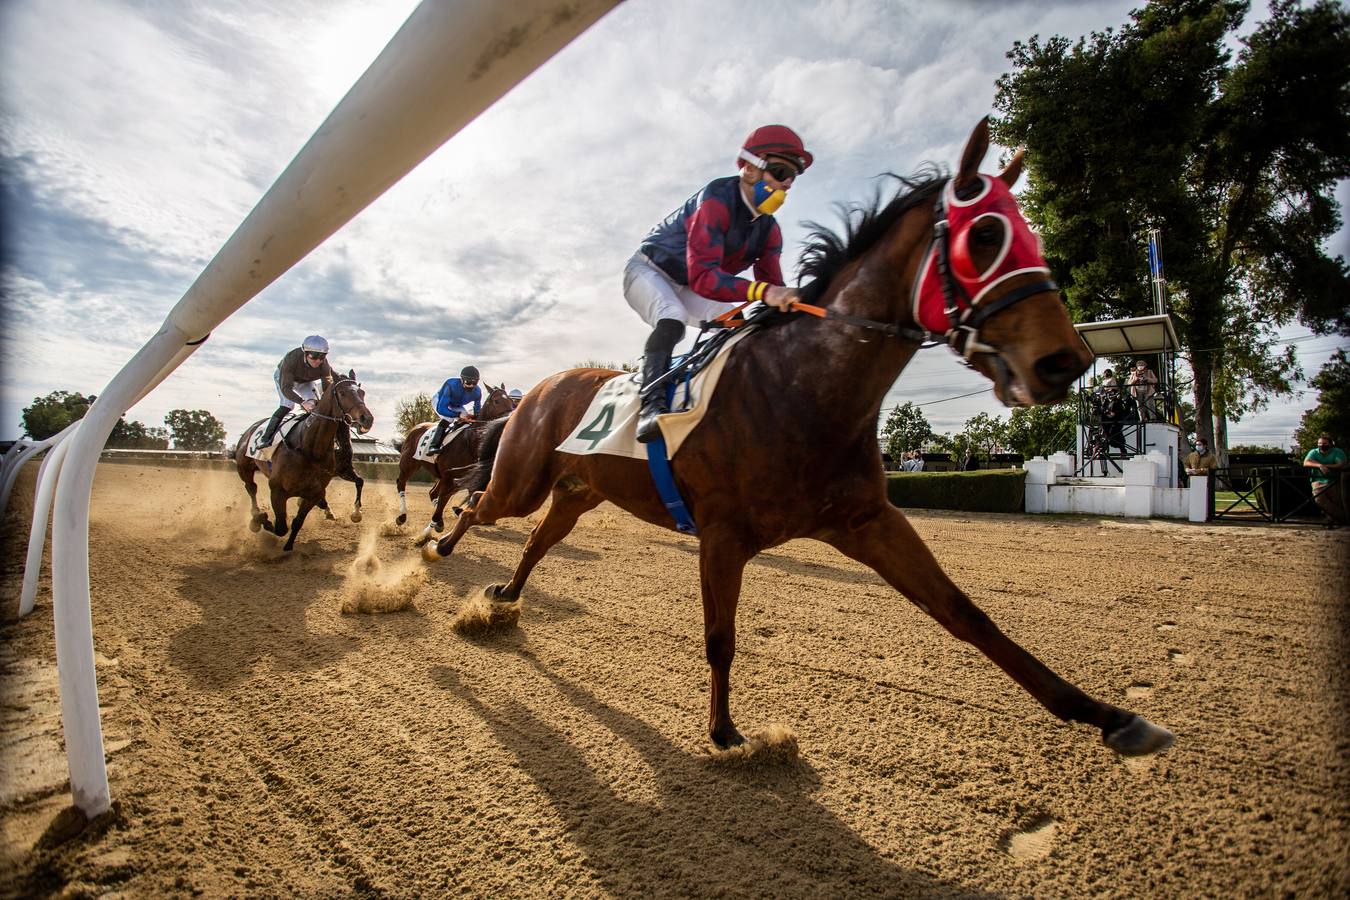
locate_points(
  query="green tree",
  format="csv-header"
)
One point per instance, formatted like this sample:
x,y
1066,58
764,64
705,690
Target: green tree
x,y
413,411
1331,415
982,434
50,415
905,429
135,436
1156,125
195,429
600,364
1042,430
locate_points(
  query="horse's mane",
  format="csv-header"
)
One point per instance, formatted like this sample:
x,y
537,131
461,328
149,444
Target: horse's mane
x,y
826,252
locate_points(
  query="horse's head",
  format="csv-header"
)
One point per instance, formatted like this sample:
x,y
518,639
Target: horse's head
x,y
497,404
984,284
350,399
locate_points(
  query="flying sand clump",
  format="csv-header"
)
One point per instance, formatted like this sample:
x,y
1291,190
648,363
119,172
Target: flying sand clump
x,y
372,587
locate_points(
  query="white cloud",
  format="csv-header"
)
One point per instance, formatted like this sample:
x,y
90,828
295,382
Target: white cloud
x,y
147,132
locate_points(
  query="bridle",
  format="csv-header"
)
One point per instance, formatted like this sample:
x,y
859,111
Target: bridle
x,y
337,398
965,317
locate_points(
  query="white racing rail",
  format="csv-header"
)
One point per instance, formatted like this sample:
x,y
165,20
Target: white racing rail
x,y
450,61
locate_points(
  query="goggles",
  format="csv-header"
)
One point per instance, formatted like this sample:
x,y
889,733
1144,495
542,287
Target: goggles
x,y
779,169
315,355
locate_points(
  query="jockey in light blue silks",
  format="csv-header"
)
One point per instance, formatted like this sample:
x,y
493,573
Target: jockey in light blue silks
x,y
451,401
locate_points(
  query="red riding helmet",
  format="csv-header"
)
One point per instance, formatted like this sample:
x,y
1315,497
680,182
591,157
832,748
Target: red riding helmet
x,y
778,140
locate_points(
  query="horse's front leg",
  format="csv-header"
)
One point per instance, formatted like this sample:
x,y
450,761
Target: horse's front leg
x,y
721,563
889,544
279,512
437,524
305,506
359,482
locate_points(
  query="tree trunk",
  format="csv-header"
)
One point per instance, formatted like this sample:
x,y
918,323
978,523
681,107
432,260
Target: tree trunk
x,y
1202,363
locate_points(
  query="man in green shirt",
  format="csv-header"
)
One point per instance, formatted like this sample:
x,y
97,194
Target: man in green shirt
x,y
1328,484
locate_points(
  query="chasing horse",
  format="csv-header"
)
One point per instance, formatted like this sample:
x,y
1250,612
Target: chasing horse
x,y
948,258
304,461
458,453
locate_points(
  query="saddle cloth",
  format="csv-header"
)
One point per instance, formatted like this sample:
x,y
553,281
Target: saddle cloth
x,y
610,423
425,441
264,454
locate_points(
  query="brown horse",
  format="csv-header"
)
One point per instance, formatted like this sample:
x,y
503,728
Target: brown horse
x,y
805,389
304,462
451,463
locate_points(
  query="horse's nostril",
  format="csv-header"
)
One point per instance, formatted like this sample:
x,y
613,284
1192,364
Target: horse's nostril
x,y
1058,368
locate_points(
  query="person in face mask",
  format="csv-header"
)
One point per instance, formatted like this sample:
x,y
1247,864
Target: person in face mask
x,y
686,269
1200,460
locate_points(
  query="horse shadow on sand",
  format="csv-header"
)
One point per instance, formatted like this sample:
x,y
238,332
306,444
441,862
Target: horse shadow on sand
x,y
779,560
254,611
715,827
511,536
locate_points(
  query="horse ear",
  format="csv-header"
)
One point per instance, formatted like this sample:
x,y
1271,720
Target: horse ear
x,y
351,373
976,148
1013,170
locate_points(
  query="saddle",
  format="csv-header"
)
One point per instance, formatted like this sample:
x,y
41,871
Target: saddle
x,y
424,442
257,451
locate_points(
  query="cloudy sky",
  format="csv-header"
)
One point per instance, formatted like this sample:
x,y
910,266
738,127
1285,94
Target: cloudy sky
x,y
137,135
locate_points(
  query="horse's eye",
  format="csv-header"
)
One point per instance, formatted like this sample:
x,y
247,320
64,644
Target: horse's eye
x,y
987,235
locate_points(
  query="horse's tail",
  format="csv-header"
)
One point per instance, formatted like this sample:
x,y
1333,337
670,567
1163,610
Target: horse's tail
x,y
398,445
481,472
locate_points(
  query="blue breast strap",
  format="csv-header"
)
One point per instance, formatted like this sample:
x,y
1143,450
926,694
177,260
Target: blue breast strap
x,y
664,478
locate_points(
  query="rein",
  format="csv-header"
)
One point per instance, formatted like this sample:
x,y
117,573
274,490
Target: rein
x,y
345,418
965,323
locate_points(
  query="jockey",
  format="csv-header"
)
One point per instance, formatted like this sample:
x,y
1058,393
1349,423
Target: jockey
x,y
685,269
516,396
295,377
454,394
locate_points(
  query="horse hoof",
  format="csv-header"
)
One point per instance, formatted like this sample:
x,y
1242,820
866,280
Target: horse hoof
x,y
401,519
495,593
1138,737
728,738
430,553
356,516
254,525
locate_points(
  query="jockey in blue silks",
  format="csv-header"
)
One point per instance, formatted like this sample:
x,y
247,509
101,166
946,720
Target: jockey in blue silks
x,y
454,395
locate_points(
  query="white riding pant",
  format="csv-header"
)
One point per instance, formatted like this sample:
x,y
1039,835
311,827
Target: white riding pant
x,y
654,295
308,390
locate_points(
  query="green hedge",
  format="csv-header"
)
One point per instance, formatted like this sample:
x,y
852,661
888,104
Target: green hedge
x,y
1000,490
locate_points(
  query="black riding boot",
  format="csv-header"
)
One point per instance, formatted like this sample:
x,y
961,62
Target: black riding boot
x,y
437,438
273,424
655,363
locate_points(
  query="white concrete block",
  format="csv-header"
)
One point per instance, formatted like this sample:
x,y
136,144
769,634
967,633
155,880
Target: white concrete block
x,y
1198,498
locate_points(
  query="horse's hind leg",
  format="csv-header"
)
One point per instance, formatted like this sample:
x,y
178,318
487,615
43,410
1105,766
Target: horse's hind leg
x,y
890,545
571,499
519,486
257,518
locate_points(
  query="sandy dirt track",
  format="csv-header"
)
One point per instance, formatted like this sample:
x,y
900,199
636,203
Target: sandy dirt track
x,y
262,742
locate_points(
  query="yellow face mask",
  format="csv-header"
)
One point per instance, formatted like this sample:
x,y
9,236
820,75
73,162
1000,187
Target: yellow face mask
x,y
767,199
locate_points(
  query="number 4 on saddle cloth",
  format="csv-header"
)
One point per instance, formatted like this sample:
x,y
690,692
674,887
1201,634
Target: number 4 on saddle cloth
x,y
264,454
610,423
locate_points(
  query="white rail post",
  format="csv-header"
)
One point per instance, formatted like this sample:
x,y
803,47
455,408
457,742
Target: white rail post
x,y
449,62
42,505
14,462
